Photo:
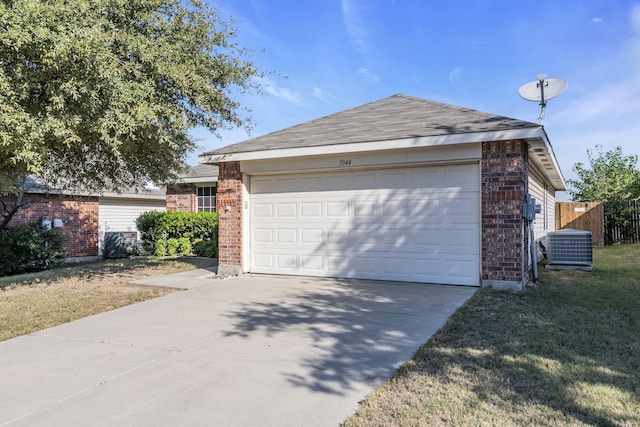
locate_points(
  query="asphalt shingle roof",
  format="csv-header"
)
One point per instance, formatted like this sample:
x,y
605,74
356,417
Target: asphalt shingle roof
x,y
396,117
200,171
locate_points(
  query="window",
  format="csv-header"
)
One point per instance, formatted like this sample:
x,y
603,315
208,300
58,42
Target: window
x,y
206,199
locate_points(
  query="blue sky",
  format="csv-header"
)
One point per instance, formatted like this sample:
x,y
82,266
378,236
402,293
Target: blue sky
x,y
338,54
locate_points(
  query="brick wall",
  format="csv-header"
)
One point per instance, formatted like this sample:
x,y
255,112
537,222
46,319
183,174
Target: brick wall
x,y
230,222
181,197
79,215
504,186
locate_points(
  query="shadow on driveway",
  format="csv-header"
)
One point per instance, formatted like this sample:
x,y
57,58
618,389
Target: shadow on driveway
x,y
357,330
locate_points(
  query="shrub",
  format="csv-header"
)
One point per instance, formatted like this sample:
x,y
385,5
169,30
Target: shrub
x,y
184,246
185,227
29,248
206,248
172,246
160,248
146,224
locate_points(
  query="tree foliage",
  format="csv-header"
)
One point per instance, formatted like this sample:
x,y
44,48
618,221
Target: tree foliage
x,y
609,177
101,94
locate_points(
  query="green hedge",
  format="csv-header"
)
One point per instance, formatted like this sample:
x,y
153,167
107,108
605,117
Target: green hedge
x,y
175,233
29,248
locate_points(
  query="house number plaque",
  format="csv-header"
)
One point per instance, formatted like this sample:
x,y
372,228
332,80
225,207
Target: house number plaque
x,y
344,162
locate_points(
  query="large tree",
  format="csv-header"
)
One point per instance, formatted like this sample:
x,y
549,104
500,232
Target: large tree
x,y
101,94
610,177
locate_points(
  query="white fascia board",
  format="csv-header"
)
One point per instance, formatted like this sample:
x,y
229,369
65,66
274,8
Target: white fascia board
x,y
423,141
139,196
199,180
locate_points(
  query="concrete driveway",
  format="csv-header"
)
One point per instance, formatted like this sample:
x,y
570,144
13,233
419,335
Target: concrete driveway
x,y
245,351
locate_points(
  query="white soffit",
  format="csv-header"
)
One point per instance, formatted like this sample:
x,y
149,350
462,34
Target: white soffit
x,y
542,155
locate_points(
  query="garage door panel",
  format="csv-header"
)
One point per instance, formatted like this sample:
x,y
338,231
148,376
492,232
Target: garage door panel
x,y
263,210
262,235
312,263
311,210
338,209
337,265
263,261
394,266
287,235
363,263
337,182
461,177
425,179
364,209
364,180
286,210
395,179
460,270
312,236
286,262
419,224
396,209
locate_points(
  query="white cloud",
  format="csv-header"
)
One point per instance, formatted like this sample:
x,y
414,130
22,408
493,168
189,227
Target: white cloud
x,y
280,92
353,18
596,20
325,97
368,75
454,77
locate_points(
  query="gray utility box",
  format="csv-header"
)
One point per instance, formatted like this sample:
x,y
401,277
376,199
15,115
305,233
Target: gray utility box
x,y
119,244
569,248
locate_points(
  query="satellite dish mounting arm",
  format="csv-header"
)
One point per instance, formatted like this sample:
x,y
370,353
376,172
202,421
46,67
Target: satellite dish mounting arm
x,y
543,102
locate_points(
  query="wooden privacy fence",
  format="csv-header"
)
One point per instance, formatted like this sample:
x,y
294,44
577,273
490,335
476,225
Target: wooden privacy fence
x,y
582,216
622,222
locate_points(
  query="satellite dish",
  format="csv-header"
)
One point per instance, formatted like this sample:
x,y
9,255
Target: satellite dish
x,y
542,90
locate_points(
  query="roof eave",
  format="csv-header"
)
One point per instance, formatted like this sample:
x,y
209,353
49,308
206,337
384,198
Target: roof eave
x,y
542,154
540,150
217,157
198,180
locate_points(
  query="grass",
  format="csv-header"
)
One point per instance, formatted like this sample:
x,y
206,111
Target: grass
x,y
565,353
35,301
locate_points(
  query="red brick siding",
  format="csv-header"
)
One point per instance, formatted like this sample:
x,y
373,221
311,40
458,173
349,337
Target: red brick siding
x,y
230,222
181,197
504,186
79,215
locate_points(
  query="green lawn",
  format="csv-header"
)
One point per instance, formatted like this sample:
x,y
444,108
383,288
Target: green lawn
x,y
565,353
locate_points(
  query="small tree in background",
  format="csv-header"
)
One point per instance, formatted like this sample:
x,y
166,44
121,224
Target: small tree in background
x,y
611,178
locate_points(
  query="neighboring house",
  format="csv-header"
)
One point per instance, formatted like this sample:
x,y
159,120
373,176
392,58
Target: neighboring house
x,y
400,189
84,218
195,190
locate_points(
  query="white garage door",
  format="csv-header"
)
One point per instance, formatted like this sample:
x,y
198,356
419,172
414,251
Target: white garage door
x,y
410,224
120,214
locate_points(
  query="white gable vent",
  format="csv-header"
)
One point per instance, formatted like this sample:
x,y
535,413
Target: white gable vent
x,y
570,249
